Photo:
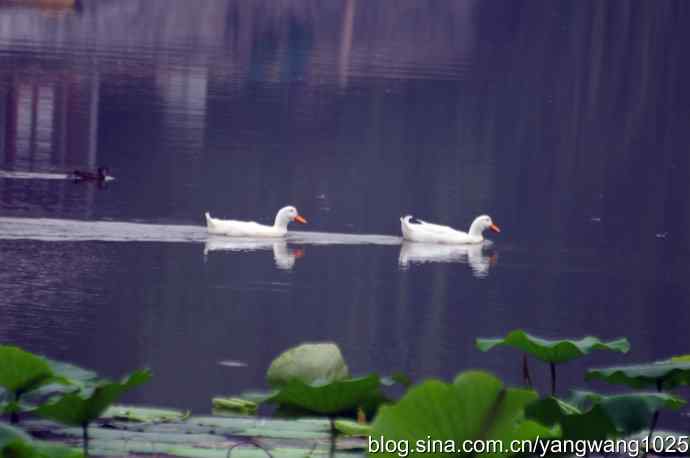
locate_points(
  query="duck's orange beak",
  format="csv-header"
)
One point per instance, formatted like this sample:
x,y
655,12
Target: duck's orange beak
x,y
495,228
299,219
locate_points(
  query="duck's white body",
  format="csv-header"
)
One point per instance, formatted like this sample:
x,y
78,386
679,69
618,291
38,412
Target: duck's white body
x,y
435,233
235,228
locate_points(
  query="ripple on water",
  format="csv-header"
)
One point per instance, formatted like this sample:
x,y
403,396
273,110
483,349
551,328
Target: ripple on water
x,y
55,230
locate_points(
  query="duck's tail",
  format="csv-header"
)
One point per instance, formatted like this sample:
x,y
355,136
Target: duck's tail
x,y
404,222
209,220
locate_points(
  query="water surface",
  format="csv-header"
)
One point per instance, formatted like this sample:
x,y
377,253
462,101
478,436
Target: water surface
x,y
566,121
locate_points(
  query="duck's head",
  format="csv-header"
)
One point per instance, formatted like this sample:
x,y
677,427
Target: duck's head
x,y
482,223
288,214
102,172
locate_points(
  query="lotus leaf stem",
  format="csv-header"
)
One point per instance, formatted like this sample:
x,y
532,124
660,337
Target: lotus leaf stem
x,y
249,442
85,438
525,371
14,415
655,418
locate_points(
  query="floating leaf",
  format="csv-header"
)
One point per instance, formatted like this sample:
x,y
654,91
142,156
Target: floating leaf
x,y
664,374
475,406
144,414
352,428
81,408
236,405
553,351
202,433
308,363
681,359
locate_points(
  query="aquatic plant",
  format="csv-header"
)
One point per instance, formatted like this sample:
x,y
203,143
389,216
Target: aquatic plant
x,y
21,372
30,379
664,375
592,416
328,398
552,352
84,406
352,428
475,406
208,437
232,405
309,363
313,378
17,444
139,414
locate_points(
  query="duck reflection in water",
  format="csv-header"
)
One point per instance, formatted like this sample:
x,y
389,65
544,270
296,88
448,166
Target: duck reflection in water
x,y
284,256
478,257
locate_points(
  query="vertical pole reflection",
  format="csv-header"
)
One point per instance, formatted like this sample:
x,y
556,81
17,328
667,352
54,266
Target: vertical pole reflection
x,y
346,42
11,113
94,94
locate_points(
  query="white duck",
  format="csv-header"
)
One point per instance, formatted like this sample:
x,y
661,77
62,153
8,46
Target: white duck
x,y
435,233
236,228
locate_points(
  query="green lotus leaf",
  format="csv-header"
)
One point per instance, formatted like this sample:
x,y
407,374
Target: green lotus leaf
x,y
399,378
15,443
553,351
72,374
234,405
663,374
67,378
21,371
575,424
475,406
330,398
144,414
308,363
594,416
352,428
681,359
81,408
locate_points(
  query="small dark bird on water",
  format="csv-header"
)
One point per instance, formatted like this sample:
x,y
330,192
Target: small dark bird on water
x,y
100,175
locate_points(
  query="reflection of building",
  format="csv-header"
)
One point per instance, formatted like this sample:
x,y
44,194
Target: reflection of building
x,y
50,123
183,91
267,40
46,6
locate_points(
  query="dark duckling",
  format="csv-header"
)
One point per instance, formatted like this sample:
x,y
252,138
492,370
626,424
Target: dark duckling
x,y
100,175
